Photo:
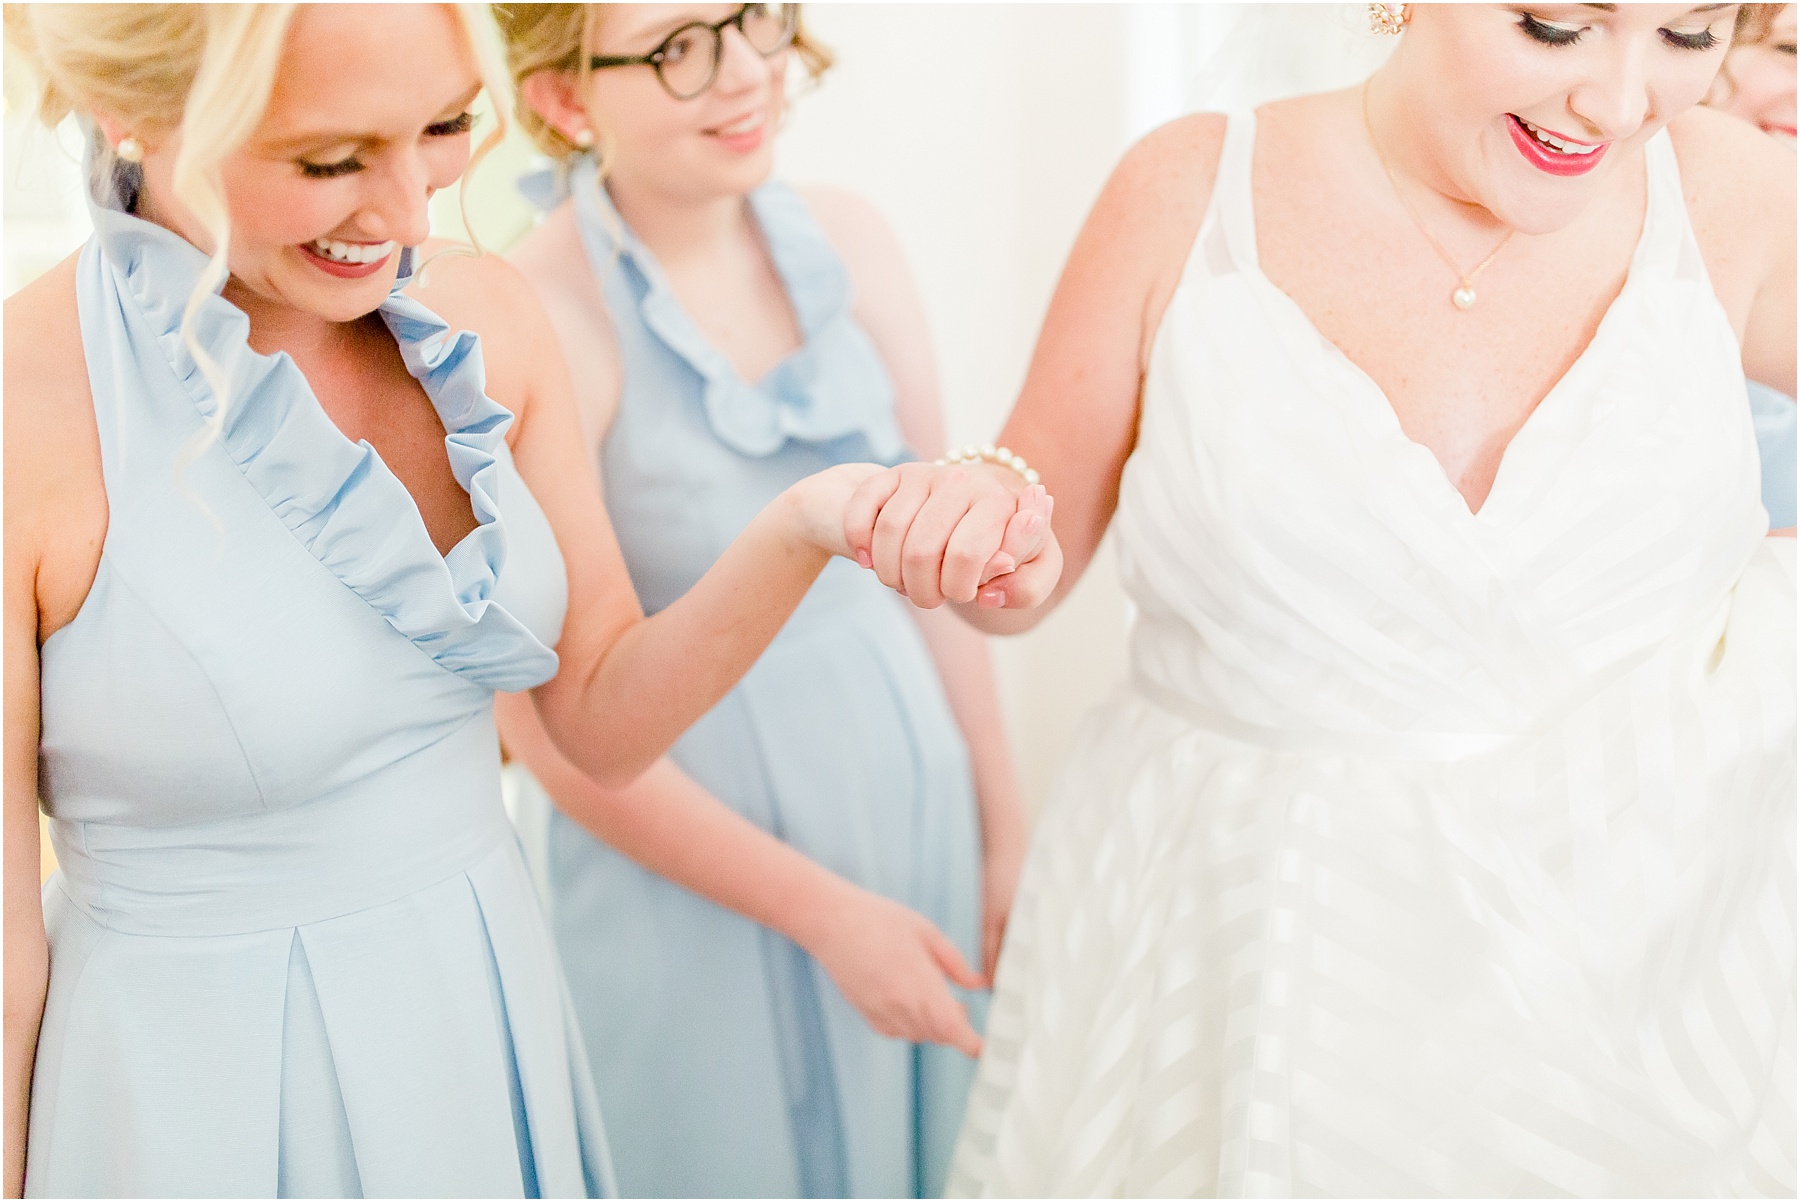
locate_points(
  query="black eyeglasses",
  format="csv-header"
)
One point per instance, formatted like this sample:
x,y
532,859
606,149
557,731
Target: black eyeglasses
x,y
687,61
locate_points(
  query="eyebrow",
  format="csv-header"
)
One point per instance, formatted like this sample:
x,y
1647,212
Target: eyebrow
x,y
1704,8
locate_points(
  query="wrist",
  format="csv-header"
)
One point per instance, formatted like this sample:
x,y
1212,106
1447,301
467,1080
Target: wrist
x,y
821,901
815,507
800,510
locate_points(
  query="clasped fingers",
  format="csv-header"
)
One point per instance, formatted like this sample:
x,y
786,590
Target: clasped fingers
x,y
940,533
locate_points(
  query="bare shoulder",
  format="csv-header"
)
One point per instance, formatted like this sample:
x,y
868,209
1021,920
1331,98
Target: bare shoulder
x,y
56,511
1150,211
490,297
1723,158
1153,203
1176,162
847,218
1739,184
553,259
862,238
474,291
543,248
49,408
43,313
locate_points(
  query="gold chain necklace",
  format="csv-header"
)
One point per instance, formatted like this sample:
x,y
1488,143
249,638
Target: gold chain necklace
x,y
1464,296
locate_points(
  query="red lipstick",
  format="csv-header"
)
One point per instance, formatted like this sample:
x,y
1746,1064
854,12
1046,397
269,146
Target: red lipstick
x,y
1549,161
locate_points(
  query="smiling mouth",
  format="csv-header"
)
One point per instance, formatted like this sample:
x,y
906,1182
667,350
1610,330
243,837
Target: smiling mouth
x,y
1556,144
747,124
351,253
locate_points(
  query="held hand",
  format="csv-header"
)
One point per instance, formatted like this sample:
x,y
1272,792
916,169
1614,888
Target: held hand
x,y
891,964
956,533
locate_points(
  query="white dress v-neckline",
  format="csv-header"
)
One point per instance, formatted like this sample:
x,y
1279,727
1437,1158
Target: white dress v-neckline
x,y
1383,412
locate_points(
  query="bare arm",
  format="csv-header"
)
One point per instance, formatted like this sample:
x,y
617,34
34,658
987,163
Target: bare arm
x,y
664,672
554,262
889,961
55,520
1076,417
27,952
889,309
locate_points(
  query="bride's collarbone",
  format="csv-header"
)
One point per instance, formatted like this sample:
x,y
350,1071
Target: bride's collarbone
x,y
1382,296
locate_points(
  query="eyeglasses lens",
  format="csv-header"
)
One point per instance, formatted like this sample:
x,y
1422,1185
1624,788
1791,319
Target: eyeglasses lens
x,y
689,58
769,27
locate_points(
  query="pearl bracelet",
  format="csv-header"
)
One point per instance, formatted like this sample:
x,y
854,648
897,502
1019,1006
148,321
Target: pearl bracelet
x,y
989,453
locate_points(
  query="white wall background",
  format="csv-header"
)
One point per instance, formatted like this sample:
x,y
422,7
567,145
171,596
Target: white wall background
x,y
983,132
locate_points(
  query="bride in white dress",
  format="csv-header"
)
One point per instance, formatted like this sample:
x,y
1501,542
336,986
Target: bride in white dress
x,y
1441,839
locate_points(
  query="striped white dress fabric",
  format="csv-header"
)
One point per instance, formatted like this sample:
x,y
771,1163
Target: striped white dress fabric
x,y
1425,852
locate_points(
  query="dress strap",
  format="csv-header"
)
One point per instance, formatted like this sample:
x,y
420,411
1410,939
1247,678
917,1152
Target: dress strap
x,y
1668,246
1226,242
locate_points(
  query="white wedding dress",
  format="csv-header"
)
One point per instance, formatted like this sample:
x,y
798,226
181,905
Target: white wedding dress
x,y
1425,852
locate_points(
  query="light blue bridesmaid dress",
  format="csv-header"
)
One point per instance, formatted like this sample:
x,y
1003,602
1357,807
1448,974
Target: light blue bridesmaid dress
x,y
1773,414
294,946
727,1061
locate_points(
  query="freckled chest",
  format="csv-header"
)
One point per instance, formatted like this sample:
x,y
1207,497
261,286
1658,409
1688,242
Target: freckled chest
x,y
1461,381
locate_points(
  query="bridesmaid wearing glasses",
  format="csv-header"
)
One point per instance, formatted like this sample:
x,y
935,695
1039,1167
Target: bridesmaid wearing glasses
x,y
768,937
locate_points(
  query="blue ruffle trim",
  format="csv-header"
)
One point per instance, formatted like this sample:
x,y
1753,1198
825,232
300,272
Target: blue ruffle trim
x,y
833,387
338,498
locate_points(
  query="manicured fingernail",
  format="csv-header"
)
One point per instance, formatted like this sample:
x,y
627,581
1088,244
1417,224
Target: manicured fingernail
x,y
1033,523
991,598
1001,564
901,589
863,558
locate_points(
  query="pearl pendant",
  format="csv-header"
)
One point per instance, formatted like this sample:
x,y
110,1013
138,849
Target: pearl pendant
x,y
1463,298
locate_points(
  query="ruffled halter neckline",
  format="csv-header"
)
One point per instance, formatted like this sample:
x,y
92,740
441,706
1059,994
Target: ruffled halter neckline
x,y
803,397
337,497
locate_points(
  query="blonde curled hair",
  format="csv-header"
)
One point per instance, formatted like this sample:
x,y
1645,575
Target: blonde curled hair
x,y
560,37
204,73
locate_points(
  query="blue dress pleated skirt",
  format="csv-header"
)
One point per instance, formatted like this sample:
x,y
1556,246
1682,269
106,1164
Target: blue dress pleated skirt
x,y
294,948
727,1061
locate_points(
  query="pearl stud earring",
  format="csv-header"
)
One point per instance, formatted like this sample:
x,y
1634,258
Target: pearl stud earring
x,y
130,149
584,137
1387,18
